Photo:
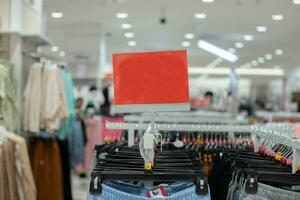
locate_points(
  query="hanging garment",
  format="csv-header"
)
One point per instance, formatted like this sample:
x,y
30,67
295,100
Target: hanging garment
x,y
94,137
8,108
184,191
17,181
47,168
76,144
45,104
67,126
65,161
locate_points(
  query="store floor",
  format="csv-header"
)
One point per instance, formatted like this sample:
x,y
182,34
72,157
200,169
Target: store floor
x,y
79,187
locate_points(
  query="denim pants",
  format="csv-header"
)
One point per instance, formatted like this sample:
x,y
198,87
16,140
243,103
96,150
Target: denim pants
x,y
125,191
267,192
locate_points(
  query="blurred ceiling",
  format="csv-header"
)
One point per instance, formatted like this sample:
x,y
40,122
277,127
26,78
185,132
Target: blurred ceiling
x,y
78,31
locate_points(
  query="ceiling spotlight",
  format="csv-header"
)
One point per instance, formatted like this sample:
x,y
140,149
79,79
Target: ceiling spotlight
x,y
279,52
248,37
268,56
239,45
208,1
232,50
217,51
296,1
126,26
55,48
57,15
277,17
129,35
122,15
132,43
254,63
261,28
189,36
200,15
186,44
62,54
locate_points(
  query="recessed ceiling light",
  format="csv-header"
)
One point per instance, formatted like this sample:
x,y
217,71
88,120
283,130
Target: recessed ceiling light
x,y
208,1
232,50
189,36
248,37
254,63
122,15
129,35
277,17
186,44
261,60
200,15
57,14
268,56
296,1
217,51
261,28
62,54
55,48
279,52
132,43
239,45
126,26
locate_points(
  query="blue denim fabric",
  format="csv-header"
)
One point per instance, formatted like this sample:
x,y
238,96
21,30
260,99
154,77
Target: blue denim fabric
x,y
267,192
76,144
122,191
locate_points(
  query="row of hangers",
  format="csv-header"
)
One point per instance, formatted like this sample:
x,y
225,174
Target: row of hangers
x,y
126,164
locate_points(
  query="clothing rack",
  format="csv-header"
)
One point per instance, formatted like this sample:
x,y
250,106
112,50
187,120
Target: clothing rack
x,y
258,132
184,119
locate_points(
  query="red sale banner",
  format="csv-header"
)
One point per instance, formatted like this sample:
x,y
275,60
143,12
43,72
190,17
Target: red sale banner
x,y
151,81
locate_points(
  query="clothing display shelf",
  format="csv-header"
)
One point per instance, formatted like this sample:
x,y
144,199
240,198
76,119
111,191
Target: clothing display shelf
x,y
259,132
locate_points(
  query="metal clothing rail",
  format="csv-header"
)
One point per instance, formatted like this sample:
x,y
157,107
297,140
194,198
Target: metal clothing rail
x,y
280,136
182,119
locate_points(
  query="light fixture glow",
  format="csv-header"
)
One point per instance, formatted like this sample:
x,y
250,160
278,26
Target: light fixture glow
x,y
129,35
247,65
55,48
122,15
277,17
261,28
217,51
279,52
239,45
232,50
276,67
261,60
189,36
62,54
254,63
200,15
186,44
296,1
132,43
268,56
208,1
248,37
57,15
126,26
239,71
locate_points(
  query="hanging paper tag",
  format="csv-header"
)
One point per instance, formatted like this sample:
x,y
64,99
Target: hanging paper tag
x,y
151,81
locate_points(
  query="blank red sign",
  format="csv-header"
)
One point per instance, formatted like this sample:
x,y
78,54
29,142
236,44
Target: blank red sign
x,y
151,78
